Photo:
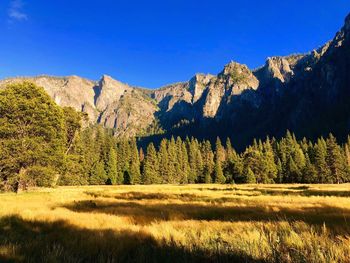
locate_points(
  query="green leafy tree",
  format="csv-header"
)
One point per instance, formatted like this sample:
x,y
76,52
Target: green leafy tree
x,y
73,124
32,133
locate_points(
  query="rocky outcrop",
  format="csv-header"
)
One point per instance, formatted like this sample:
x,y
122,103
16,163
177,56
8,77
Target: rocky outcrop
x,y
109,91
108,102
70,91
198,84
130,114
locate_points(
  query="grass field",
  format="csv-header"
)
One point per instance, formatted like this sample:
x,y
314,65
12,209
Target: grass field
x,y
191,223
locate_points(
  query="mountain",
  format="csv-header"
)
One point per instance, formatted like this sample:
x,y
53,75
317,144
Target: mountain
x,y
127,109
308,94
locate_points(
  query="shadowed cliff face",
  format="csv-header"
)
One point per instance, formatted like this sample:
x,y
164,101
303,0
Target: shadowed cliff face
x,y
307,94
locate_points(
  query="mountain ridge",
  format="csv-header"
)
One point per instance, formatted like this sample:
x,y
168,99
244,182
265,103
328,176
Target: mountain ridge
x,y
237,100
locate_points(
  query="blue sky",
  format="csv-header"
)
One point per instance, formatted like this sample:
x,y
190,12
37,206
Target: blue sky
x,y
152,43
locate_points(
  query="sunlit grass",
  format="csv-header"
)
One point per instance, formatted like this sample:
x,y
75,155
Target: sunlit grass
x,y
168,223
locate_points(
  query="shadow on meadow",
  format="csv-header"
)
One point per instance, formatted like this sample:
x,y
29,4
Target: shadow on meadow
x,y
143,214
37,241
293,190
184,197
145,196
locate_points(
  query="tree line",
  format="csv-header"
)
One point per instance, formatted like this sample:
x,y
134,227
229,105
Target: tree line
x,y
42,144
177,161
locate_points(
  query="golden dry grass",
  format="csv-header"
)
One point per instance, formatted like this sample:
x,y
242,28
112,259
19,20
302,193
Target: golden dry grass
x,y
168,223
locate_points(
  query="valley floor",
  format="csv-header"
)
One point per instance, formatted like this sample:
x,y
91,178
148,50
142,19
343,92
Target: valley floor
x,y
169,223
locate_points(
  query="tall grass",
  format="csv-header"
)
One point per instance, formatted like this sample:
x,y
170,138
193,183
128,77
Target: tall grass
x,y
191,223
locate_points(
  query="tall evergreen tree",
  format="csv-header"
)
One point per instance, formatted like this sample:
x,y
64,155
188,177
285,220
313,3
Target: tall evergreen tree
x,y
249,177
269,161
309,172
208,163
185,168
254,160
135,174
294,173
98,174
234,165
163,161
151,167
172,161
195,161
219,159
320,154
336,161
111,170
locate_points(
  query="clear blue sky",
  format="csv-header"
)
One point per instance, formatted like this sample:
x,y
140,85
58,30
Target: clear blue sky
x,y
152,43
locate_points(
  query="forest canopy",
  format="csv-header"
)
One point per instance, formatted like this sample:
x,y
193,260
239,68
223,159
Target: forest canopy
x,y
42,144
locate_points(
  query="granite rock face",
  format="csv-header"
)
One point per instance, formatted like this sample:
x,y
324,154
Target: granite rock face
x,y
108,102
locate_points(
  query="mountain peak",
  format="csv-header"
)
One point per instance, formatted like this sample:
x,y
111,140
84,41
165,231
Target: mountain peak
x,y
347,22
106,78
234,67
346,27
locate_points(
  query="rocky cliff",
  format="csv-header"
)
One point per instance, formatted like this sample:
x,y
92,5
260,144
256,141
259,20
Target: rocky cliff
x,y
109,102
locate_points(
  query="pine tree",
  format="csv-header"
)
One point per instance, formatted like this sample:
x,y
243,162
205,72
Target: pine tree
x,y
185,168
254,159
270,165
208,162
74,169
219,158
335,160
135,174
98,175
195,161
294,174
112,167
180,174
172,161
151,167
279,171
249,176
219,175
124,156
163,161
309,172
347,151
234,165
320,154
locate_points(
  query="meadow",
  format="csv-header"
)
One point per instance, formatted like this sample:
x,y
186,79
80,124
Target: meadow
x,y
173,223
